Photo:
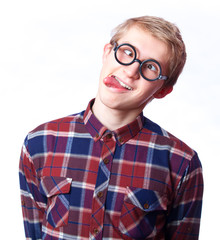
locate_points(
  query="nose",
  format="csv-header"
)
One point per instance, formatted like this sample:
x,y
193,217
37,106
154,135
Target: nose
x,y
132,71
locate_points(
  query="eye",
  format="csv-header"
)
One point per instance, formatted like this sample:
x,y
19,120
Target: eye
x,y
151,67
125,54
129,52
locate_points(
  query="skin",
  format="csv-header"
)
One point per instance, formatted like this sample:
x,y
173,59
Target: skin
x,y
115,107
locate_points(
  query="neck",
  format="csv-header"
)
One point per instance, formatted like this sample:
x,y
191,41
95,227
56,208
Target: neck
x,y
112,118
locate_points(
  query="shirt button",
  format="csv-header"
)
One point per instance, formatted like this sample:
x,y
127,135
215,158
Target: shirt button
x,y
97,135
106,161
95,230
146,205
121,140
23,203
109,136
100,194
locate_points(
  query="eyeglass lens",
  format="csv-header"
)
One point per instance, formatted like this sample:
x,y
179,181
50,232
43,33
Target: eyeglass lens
x,y
126,55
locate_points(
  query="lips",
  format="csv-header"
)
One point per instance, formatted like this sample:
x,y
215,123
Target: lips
x,y
115,82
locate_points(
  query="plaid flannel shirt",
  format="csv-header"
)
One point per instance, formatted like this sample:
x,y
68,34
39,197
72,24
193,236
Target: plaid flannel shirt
x,y
81,181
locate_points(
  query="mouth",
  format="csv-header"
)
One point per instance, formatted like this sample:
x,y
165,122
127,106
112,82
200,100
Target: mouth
x,y
122,83
115,82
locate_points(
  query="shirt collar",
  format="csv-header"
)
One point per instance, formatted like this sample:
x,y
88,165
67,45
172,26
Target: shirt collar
x,y
98,131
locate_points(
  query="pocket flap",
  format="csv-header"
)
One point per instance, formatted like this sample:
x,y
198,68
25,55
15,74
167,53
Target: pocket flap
x,y
145,199
50,186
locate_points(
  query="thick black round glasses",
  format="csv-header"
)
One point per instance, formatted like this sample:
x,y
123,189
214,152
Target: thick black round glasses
x,y
150,69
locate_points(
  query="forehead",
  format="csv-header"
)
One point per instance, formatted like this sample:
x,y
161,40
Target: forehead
x,y
146,45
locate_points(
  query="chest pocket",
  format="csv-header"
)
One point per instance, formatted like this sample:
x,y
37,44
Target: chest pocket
x,y
140,211
57,191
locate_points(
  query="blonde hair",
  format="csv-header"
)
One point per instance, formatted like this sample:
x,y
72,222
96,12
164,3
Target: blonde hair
x,y
164,31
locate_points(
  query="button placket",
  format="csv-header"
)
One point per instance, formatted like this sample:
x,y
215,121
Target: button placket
x,y
102,182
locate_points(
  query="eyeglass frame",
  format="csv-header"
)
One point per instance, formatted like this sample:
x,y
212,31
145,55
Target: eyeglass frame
x,y
160,76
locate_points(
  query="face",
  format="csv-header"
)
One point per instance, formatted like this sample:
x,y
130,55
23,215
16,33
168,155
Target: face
x,y
122,87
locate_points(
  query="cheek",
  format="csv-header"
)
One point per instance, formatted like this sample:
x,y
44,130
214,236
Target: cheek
x,y
108,67
146,92
149,88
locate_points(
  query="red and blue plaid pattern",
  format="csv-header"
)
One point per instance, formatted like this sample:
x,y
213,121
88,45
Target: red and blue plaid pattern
x,y
58,210
81,181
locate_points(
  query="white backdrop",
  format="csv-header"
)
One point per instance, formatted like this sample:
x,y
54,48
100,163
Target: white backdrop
x,y
50,58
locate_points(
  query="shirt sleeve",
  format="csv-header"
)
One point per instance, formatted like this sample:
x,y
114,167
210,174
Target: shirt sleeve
x,y
184,217
33,203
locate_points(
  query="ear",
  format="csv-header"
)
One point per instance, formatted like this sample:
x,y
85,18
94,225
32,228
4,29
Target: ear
x,y
162,92
106,51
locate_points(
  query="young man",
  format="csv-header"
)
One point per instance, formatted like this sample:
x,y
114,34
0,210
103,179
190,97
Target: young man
x,y
109,172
